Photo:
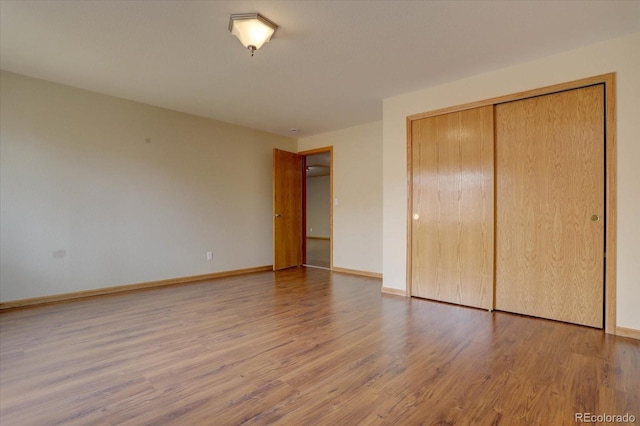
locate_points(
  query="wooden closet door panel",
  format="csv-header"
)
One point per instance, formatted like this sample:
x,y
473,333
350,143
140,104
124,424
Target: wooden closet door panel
x,y
549,183
452,236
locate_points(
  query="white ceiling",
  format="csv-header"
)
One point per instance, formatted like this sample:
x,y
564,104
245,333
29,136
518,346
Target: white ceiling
x,y
328,67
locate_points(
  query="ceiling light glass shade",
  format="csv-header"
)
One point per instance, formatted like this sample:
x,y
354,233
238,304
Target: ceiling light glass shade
x,y
252,29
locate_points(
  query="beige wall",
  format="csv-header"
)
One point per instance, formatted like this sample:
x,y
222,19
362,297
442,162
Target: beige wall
x,y
357,184
86,203
621,56
318,206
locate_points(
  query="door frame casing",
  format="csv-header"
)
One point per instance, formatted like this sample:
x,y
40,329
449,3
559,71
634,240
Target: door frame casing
x,y
609,81
306,153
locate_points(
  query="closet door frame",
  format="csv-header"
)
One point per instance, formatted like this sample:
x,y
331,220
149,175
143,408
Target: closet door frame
x,y
609,81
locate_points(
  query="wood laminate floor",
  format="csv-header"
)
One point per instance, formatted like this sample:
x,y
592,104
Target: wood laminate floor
x,y
302,347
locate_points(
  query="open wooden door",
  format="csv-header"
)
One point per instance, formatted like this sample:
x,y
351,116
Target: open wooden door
x,y
287,209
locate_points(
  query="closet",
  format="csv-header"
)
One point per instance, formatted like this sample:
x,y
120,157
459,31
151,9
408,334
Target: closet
x,y
452,239
507,205
550,206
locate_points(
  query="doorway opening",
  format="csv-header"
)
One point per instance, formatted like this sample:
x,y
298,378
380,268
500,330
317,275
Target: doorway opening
x,y
317,208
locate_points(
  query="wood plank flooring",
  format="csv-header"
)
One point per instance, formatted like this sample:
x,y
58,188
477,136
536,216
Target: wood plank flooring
x,y
302,347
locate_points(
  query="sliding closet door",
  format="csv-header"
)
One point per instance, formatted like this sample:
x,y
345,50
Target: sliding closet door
x,y
452,227
550,206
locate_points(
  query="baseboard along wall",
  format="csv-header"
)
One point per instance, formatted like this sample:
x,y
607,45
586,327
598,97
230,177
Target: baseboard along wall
x,y
628,332
394,291
357,272
12,304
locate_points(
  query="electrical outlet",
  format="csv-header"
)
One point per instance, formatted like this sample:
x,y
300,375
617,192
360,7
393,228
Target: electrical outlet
x,y
209,255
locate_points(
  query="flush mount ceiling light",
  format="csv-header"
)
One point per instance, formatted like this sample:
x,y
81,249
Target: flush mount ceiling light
x,y
252,29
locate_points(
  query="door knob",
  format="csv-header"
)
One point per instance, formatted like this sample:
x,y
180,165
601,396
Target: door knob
x,y
595,218
277,215
416,216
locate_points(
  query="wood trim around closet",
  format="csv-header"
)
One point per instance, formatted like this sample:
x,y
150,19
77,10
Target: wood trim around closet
x,y
609,81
